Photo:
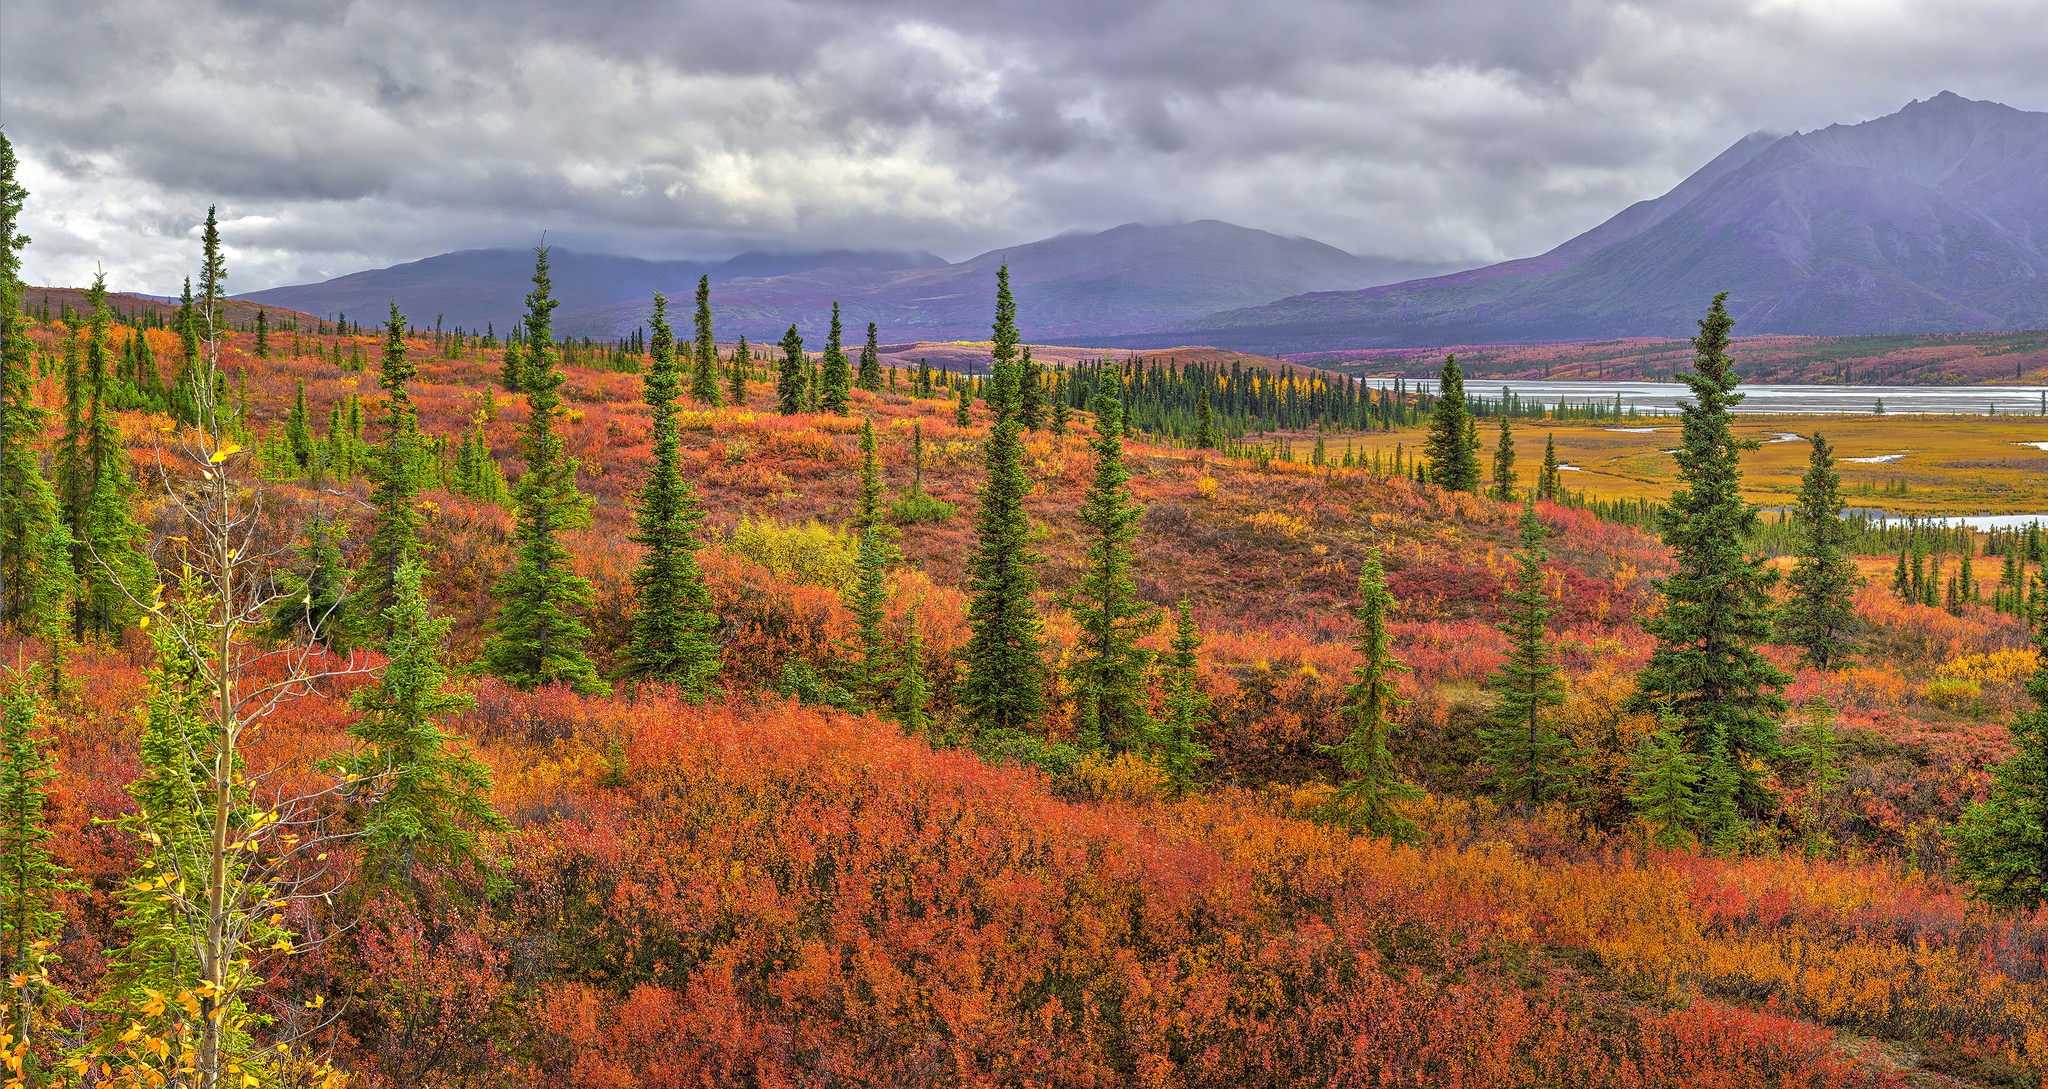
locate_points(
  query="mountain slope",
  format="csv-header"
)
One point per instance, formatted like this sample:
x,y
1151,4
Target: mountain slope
x,y
1933,219
1072,288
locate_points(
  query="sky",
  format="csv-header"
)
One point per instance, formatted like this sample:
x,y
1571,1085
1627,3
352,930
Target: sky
x,y
336,136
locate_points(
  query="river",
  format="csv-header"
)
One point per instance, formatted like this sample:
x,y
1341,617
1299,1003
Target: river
x,y
1802,400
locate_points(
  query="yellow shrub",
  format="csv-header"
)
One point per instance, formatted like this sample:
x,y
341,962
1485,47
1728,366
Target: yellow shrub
x,y
1954,693
814,554
1280,522
1999,666
1206,487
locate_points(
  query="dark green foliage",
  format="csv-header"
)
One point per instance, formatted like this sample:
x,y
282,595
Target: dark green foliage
x,y
1706,672
1177,740
298,433
476,469
960,414
538,639
30,880
1665,777
1002,694
1504,479
1546,478
2001,843
673,619
1205,422
789,380
262,345
113,570
1453,464
1820,611
915,507
704,351
395,468
35,545
427,801
870,376
911,690
1108,671
1062,413
737,374
319,598
512,368
1523,748
834,377
1372,785
1030,393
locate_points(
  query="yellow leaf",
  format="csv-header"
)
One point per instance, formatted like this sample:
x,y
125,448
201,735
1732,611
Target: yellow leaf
x,y
226,451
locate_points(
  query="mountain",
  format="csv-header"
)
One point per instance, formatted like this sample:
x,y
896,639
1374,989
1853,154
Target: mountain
x,y
1071,288
1930,220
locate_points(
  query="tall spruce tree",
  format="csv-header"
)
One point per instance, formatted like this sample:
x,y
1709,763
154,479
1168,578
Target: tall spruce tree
x,y
1177,742
1205,422
1504,479
395,518
114,571
868,597
1523,746
1546,478
35,545
834,377
704,350
2001,843
1003,692
1819,613
1452,463
870,377
1666,779
429,801
673,619
538,638
30,879
1030,393
1365,799
789,379
912,692
1705,671
1109,666
737,374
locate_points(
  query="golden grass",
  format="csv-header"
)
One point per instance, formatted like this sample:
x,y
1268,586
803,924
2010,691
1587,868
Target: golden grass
x,y
1952,464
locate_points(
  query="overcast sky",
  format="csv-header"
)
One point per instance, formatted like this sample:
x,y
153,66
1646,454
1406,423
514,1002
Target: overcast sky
x,y
340,135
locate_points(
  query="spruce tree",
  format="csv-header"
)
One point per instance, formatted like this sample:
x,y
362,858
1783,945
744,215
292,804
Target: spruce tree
x,y
113,568
1452,463
1819,613
2001,843
704,352
871,363
1177,741
913,694
428,800
789,380
1705,671
513,366
35,546
538,639
1523,747
960,416
1205,423
1666,778
320,596
1504,479
1002,694
1546,478
30,880
395,519
1109,667
298,433
1030,393
1062,413
1366,798
673,620
736,375
833,374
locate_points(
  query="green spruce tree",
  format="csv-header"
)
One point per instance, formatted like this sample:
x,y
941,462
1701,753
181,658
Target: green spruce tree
x,y
1546,478
737,374
538,638
1504,480
1819,613
395,469
789,380
110,557
2001,843
1706,672
1372,784
868,597
1108,670
673,619
1523,748
1666,779
704,351
35,545
427,800
870,378
1177,741
30,879
1003,692
1452,463
834,377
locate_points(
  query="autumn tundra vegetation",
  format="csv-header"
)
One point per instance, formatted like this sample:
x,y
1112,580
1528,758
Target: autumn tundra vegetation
x,y
407,707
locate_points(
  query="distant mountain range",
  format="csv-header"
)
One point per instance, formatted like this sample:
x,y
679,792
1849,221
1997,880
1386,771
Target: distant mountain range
x,y
1931,220
1071,288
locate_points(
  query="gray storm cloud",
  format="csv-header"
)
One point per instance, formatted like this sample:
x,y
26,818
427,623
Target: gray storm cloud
x,y
339,136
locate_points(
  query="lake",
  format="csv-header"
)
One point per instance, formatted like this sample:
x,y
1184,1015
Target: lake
x,y
1802,400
